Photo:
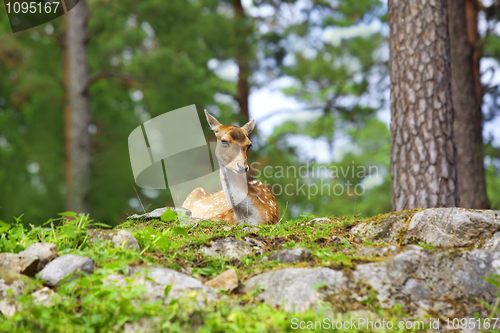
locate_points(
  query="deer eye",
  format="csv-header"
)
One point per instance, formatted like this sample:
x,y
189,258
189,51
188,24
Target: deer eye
x,y
224,143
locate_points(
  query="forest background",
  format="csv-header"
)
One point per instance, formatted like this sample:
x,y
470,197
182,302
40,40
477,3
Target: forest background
x,y
313,73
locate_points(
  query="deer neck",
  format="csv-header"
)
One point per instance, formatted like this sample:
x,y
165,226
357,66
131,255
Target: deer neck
x,y
235,187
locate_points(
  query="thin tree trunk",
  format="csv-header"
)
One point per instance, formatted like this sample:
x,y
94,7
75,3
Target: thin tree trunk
x,y
467,125
423,167
242,58
77,115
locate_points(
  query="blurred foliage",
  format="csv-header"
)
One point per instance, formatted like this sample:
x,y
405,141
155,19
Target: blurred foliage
x,y
166,55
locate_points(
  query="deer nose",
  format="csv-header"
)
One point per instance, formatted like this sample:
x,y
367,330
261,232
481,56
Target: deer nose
x,y
240,168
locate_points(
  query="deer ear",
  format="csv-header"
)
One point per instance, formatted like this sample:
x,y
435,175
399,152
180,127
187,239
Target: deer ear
x,y
214,124
248,127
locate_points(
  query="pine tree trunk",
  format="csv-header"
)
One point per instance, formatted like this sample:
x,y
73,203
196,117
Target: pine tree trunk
x,y
77,115
467,125
423,167
243,87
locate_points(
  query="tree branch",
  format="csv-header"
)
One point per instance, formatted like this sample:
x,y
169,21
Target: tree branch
x,y
127,79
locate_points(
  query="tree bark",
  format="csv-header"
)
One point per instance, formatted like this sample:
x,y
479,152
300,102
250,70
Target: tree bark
x,y
423,152
467,125
242,59
77,115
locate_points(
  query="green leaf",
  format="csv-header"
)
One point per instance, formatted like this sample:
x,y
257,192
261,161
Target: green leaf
x,y
69,231
68,214
320,285
169,215
4,227
180,231
494,282
166,292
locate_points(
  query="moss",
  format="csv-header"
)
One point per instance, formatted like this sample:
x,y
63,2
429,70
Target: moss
x,y
379,219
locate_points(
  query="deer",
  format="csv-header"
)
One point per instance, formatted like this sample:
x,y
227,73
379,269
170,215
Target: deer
x,y
240,201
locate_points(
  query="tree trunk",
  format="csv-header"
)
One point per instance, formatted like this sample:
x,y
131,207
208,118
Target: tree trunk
x,y
77,115
423,167
243,87
467,125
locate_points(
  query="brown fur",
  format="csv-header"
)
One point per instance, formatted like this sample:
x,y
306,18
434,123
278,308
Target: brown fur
x,y
260,205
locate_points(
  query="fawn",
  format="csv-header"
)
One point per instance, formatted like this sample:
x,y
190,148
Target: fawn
x,y
240,201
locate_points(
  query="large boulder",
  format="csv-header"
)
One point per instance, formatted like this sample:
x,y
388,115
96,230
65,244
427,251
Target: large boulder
x,y
453,226
447,227
448,282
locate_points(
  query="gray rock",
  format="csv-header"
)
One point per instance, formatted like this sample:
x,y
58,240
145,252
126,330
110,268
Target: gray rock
x,y
448,282
251,229
155,279
7,309
228,247
376,251
228,280
45,252
319,220
143,325
64,266
385,228
337,239
104,235
156,214
123,237
44,296
456,227
14,283
453,226
291,256
492,244
19,263
296,289
424,281
253,242
116,237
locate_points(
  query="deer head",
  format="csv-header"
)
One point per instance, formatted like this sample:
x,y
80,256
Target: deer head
x,y
232,144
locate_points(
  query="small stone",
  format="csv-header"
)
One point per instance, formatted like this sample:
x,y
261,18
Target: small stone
x,y
186,270
105,235
319,220
13,282
291,256
64,266
228,247
156,279
45,252
251,229
376,251
359,239
19,263
44,296
125,237
7,309
226,281
156,214
226,228
337,239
